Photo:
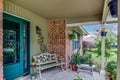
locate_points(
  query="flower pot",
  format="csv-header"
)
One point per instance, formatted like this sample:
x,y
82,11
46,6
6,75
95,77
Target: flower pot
x,y
33,77
33,64
103,33
74,67
113,6
90,64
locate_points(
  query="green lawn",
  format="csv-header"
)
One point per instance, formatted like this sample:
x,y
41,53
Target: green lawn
x,y
113,55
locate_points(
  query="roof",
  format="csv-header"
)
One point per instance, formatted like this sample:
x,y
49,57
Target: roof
x,y
80,30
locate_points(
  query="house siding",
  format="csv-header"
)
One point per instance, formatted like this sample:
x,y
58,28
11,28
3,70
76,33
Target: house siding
x,y
34,19
1,40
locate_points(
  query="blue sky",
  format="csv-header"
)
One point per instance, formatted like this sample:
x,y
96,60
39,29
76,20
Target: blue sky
x,y
94,28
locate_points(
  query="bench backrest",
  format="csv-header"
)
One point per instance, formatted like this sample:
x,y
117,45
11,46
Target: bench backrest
x,y
45,58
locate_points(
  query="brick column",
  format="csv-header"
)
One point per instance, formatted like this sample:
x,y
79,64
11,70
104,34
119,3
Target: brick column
x,y
56,38
69,48
1,40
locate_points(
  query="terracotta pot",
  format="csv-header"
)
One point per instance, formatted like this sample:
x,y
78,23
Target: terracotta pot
x,y
74,67
108,76
33,64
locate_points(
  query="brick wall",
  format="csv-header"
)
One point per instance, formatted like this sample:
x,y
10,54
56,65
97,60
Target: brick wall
x,y
56,38
69,50
58,42
1,40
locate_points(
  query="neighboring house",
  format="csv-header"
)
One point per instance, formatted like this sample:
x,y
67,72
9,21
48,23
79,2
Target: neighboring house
x,y
89,42
72,46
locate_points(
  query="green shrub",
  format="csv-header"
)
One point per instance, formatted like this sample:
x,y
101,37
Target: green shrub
x,y
114,72
85,59
111,67
78,78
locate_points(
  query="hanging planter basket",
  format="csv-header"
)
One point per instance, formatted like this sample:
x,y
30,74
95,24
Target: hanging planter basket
x,y
103,33
113,6
71,36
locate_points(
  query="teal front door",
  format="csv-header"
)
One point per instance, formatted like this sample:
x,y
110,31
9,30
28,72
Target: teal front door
x,y
13,47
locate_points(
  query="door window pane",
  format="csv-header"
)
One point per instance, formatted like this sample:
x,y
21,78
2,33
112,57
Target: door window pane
x,y
11,39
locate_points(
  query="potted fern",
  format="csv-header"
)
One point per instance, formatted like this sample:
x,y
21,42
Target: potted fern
x,y
75,59
71,36
33,75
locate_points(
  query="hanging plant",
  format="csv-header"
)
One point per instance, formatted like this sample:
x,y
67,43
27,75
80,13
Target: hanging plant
x,y
103,32
113,6
71,36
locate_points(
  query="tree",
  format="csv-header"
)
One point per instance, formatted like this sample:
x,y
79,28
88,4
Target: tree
x,y
84,48
110,38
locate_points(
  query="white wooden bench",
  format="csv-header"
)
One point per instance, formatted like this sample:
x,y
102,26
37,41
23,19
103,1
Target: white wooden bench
x,y
45,61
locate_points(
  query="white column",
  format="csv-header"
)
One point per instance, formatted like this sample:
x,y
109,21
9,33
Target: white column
x,y
118,54
102,55
81,42
102,72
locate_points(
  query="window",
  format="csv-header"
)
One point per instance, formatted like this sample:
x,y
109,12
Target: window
x,y
11,40
75,41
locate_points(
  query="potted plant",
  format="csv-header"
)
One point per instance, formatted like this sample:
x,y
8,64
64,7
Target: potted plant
x,y
33,62
91,61
71,36
75,59
78,78
113,6
103,32
111,68
33,75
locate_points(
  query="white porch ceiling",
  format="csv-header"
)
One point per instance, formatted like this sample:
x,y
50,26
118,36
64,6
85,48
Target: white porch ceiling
x,y
73,10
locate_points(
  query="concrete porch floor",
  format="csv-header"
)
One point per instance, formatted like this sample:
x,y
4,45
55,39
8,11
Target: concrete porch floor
x,y
58,74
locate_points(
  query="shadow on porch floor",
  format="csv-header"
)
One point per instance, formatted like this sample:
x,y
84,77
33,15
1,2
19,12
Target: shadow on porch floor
x,y
58,74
